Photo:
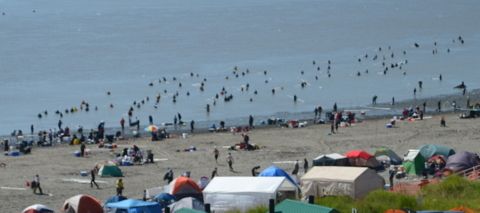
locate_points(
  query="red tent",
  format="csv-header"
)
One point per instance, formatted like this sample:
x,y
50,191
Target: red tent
x,y
185,187
37,208
82,204
358,154
362,159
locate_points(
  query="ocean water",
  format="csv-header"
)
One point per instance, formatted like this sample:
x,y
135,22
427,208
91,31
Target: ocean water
x,y
56,53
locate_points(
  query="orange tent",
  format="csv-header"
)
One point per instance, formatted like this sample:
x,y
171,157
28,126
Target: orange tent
x,y
82,204
463,209
185,187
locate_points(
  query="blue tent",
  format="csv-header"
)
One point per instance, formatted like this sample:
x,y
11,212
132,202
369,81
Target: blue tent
x,y
274,171
164,199
133,206
114,199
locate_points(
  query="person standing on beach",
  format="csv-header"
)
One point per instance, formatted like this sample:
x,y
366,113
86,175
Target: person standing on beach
x,y
82,149
335,107
414,92
420,84
250,121
92,178
315,111
230,161
439,105
216,153
392,171
424,106
393,101
175,121
150,119
31,129
192,126
374,100
305,165
443,123
320,109
119,187
36,184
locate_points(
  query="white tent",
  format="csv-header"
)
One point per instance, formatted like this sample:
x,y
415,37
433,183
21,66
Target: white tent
x,y
355,182
242,193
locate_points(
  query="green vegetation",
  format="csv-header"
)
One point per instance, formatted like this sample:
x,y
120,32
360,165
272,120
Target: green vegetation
x,y
257,209
452,192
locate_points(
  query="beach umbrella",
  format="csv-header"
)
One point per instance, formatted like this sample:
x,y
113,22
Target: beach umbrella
x,y
37,208
151,128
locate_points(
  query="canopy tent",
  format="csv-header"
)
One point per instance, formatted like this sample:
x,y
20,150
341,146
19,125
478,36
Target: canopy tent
x,y
274,171
82,204
288,205
114,199
133,206
333,159
242,193
362,159
109,170
392,156
187,203
355,182
414,162
430,150
184,187
462,161
38,208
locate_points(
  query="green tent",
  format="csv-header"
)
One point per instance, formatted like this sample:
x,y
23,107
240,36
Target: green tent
x,y
293,206
430,150
186,210
414,162
110,170
392,156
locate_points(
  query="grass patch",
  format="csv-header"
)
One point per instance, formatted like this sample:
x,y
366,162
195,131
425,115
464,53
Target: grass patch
x,y
453,191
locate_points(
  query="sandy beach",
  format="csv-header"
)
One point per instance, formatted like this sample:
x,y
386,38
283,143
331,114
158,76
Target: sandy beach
x,y
57,166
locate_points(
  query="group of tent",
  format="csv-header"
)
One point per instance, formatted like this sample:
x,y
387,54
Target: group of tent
x,y
413,161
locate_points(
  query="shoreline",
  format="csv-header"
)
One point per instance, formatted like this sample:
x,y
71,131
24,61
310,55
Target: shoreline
x,y
381,110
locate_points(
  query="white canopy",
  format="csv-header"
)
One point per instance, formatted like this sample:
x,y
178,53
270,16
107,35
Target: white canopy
x,y
334,156
242,193
411,155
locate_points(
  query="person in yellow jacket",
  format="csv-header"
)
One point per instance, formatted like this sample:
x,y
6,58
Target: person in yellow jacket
x,y
119,186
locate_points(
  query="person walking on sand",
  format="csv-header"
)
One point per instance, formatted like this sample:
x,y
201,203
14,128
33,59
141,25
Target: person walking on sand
x,y
214,173
92,178
443,123
168,176
215,154
36,184
374,100
296,168
119,187
439,105
230,161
